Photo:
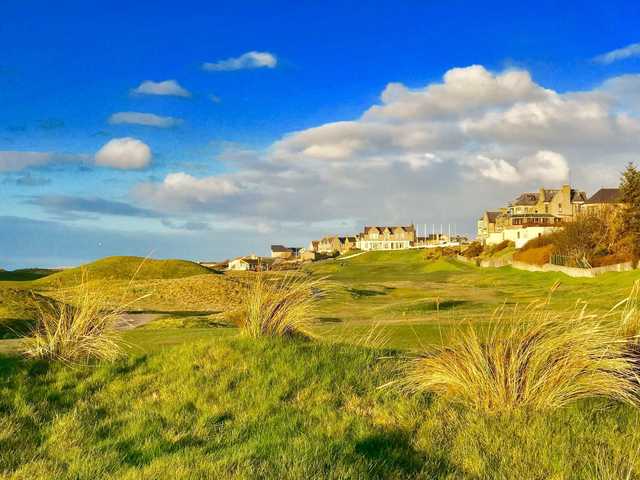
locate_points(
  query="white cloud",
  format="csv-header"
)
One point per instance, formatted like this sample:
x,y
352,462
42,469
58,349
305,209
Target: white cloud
x,y
495,169
167,87
147,119
124,153
245,61
545,167
448,150
632,50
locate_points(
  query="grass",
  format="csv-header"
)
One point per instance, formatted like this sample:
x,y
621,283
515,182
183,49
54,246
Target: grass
x,y
268,408
25,274
195,399
78,329
533,359
280,306
125,268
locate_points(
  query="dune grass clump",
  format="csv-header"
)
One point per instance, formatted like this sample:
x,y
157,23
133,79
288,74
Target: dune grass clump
x,y
279,306
76,327
534,359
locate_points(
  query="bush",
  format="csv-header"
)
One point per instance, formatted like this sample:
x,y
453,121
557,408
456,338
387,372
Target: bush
x,y
613,259
535,360
535,256
499,247
541,241
473,250
279,306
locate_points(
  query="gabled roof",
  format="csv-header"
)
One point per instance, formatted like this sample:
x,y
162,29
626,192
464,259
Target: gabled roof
x,y
380,229
280,249
577,196
549,194
605,195
347,239
528,198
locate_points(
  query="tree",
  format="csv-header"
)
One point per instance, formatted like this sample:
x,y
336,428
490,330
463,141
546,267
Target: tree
x,y
630,196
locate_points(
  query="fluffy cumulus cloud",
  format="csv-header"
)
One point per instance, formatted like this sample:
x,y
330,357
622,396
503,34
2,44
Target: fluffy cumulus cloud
x,y
444,151
124,153
166,87
545,166
632,50
146,119
245,61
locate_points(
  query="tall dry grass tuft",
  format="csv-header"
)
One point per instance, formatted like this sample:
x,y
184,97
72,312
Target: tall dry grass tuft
x,y
75,327
534,359
280,306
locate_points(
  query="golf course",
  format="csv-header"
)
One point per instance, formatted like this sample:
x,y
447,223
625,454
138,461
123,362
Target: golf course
x,y
191,396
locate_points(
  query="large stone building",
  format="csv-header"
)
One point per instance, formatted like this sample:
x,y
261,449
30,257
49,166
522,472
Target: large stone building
x,y
332,244
280,251
603,199
386,237
531,215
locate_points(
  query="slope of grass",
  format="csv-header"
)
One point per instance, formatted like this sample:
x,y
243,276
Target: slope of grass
x,y
239,408
126,268
25,274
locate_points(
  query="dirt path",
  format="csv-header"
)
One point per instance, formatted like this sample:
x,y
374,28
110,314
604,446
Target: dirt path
x,y
130,321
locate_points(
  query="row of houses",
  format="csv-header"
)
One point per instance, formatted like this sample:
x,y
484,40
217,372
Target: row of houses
x,y
533,214
376,237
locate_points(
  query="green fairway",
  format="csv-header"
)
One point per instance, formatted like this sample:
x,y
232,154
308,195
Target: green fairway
x,y
417,301
194,399
402,297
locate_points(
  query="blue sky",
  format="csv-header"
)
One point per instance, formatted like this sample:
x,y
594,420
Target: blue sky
x,y
345,113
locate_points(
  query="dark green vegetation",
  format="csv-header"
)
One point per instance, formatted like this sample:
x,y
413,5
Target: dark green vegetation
x,y
24,274
240,408
193,400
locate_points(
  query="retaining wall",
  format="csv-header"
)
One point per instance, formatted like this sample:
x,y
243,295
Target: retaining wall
x,y
548,267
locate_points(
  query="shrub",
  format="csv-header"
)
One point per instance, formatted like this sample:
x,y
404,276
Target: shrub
x,y
610,260
76,329
535,256
279,306
541,241
499,247
473,250
535,360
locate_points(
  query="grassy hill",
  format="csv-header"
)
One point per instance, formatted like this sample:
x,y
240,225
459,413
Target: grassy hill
x,y
25,274
126,268
236,408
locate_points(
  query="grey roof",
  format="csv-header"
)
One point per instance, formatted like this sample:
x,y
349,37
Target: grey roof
x,y
528,198
605,195
280,249
406,228
577,196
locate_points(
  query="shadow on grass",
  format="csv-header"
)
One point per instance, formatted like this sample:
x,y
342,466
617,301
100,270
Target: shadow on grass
x,y
178,313
15,327
390,451
363,292
329,320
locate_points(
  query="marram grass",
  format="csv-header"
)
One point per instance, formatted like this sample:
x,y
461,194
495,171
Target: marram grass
x,y
532,359
279,306
75,327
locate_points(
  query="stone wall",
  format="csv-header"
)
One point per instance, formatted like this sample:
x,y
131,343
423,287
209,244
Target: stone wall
x,y
548,267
